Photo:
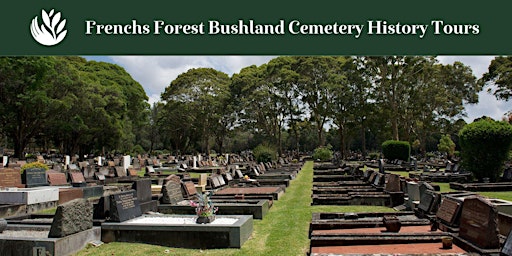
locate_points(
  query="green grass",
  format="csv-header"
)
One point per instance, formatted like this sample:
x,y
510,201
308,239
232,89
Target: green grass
x,y
283,231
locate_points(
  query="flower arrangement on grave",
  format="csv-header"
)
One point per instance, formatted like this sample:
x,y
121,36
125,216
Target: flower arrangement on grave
x,y
34,165
205,209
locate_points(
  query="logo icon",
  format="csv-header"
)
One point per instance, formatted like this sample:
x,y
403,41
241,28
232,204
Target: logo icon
x,y
51,32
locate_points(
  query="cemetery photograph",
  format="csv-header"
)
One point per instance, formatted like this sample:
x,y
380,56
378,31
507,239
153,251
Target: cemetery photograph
x,y
259,155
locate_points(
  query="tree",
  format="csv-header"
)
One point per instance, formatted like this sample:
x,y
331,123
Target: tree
x,y
31,93
499,74
195,98
446,145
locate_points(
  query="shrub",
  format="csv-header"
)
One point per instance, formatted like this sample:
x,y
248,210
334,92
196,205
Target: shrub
x,y
322,153
374,155
264,153
485,145
138,149
446,145
34,165
394,149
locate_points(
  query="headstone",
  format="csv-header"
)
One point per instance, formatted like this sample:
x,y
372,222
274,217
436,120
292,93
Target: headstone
x,y
89,171
124,206
506,250
424,186
413,191
239,173
228,176
5,161
448,211
150,169
381,165
83,165
190,188
215,182
194,162
371,179
66,162
393,183
171,192
57,178
202,179
71,217
111,163
126,162
221,180
100,176
76,177
73,167
427,200
479,222
378,179
120,171
99,160
143,188
35,177
132,172
10,178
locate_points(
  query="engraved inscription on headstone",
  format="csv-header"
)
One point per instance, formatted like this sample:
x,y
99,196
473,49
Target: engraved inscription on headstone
x,y
124,206
171,192
57,178
120,171
35,177
479,223
426,201
448,211
10,178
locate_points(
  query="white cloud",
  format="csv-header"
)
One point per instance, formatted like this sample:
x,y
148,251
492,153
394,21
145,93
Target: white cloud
x,y
155,73
487,105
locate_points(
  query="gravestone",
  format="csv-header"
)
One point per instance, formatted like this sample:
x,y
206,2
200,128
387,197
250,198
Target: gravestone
x,y
124,206
71,217
448,211
393,183
5,161
35,177
371,179
190,188
424,186
89,171
239,173
76,177
143,188
10,178
221,180
83,165
479,223
381,166
111,164
126,162
171,192
150,169
215,182
378,180
67,161
427,201
413,191
506,250
203,179
99,176
57,178
73,167
132,172
228,177
120,171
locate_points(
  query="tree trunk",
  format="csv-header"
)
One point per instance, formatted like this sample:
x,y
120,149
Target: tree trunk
x,y
363,139
342,142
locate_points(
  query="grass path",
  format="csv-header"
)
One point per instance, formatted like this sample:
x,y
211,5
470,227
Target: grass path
x,y
283,231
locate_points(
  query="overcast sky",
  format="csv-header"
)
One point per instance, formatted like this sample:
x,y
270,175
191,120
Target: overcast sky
x,y
155,73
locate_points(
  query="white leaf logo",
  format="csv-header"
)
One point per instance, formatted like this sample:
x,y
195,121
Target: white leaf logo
x,y
51,32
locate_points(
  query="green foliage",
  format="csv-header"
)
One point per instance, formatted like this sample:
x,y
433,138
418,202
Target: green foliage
x,y
322,153
374,155
446,145
394,149
138,149
34,165
485,147
264,153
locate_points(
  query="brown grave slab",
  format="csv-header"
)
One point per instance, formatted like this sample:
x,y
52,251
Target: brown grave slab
x,y
448,210
68,194
391,249
57,178
479,223
190,188
10,177
77,177
276,192
132,172
377,230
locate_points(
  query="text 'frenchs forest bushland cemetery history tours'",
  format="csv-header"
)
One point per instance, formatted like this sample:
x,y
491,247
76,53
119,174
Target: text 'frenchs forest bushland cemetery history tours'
x,y
281,27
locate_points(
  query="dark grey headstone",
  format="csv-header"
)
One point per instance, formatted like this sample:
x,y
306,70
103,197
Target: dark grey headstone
x,y
124,206
35,177
426,202
379,180
71,217
92,191
143,188
171,192
507,246
239,174
424,186
479,223
215,182
393,183
381,165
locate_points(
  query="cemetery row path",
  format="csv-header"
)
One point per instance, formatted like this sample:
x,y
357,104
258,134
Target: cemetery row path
x,y
283,231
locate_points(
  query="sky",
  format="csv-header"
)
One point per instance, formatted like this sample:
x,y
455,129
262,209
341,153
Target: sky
x,y
155,73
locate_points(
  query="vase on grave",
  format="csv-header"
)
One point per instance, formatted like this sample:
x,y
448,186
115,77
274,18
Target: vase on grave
x,y
392,223
205,219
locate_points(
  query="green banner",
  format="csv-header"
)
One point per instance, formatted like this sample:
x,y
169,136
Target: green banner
x,y
255,28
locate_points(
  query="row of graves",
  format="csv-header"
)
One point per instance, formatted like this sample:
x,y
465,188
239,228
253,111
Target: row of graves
x,y
105,201
428,222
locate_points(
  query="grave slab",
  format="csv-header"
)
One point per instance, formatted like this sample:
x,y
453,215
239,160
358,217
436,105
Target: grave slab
x,y
29,195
